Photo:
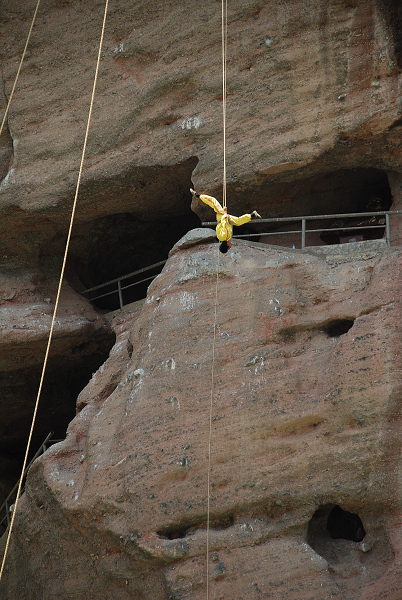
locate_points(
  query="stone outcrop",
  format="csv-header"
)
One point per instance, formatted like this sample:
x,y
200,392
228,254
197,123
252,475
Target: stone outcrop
x,y
81,342
313,127
305,418
312,97
313,124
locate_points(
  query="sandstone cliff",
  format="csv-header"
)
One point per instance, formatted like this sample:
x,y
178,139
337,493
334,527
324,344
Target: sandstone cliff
x,y
305,418
307,393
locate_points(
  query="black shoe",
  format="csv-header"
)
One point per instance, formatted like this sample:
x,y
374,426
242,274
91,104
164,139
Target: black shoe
x,y
194,193
223,247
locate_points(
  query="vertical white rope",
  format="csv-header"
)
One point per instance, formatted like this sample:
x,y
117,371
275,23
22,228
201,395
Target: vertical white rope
x,y
224,92
19,68
224,203
57,295
211,403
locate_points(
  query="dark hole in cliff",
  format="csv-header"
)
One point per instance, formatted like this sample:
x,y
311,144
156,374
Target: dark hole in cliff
x,y
393,12
178,531
331,522
343,191
338,327
64,380
345,525
147,214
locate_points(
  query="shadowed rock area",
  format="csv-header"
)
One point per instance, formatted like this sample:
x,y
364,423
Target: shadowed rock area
x,y
305,451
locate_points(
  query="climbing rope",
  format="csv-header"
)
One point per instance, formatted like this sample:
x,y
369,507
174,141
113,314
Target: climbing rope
x,y
211,403
224,196
224,93
19,68
58,293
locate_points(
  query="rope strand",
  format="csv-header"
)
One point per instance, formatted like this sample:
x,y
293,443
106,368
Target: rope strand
x,y
19,68
58,294
224,203
210,422
224,92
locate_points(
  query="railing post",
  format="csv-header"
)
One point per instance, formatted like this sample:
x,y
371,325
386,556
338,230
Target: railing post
x,y
120,294
387,230
303,241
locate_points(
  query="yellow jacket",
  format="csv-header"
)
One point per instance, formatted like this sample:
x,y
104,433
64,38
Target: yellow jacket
x,y
225,221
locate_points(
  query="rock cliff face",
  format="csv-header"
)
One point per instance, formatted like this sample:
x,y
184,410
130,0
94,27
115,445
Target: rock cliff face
x,y
306,403
305,422
314,115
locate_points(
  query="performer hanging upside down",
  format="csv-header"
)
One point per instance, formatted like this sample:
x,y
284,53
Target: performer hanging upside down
x,y
225,221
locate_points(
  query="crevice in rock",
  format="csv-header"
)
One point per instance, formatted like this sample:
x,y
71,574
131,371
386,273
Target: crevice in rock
x,y
338,327
6,155
6,141
333,328
331,522
181,530
393,12
395,125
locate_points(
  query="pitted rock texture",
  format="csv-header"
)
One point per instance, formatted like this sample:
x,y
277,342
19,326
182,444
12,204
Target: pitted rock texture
x,y
305,417
313,126
313,90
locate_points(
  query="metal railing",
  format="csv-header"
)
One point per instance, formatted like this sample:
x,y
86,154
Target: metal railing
x,y
118,280
6,507
304,219
119,288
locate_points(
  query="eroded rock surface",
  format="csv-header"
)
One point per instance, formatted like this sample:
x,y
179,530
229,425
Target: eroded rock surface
x,y
313,96
305,416
313,127
81,342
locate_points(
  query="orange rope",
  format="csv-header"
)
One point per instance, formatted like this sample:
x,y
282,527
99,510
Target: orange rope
x,y
19,68
58,293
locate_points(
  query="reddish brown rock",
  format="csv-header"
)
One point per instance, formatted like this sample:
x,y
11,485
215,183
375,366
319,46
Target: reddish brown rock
x,y
81,342
313,124
305,417
313,127
312,92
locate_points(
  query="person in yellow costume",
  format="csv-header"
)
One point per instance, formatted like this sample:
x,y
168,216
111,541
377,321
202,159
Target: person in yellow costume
x,y
225,221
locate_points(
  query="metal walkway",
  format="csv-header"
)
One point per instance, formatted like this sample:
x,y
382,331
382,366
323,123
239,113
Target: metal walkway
x,y
378,220
372,220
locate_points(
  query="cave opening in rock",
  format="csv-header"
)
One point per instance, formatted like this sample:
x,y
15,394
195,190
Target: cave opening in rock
x,y
141,216
338,327
342,191
64,379
331,522
345,525
117,245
